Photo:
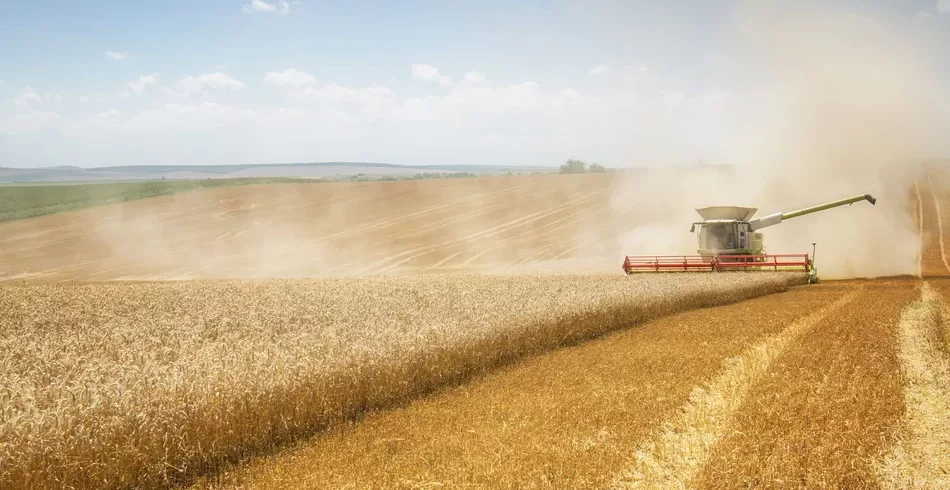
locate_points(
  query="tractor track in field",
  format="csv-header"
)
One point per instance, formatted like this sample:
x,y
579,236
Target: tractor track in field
x,y
575,218
921,456
684,444
475,237
942,244
827,407
501,229
920,228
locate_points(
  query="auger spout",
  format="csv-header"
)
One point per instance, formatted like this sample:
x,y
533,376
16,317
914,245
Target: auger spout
x,y
774,219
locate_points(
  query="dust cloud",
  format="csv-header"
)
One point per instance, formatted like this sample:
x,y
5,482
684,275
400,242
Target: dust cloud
x,y
836,104
324,230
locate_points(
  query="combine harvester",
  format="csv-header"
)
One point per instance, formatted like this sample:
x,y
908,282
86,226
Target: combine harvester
x,y
728,241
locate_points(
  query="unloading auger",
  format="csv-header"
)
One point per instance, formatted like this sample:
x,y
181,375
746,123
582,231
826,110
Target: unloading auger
x,y
729,240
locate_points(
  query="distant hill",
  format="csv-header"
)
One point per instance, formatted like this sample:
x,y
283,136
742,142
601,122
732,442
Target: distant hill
x,y
187,172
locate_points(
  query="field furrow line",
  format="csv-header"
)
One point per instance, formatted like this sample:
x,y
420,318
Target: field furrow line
x,y
536,255
456,220
37,234
406,255
920,229
486,233
115,223
539,254
388,220
604,235
684,444
246,207
921,456
508,243
573,217
384,222
943,247
443,261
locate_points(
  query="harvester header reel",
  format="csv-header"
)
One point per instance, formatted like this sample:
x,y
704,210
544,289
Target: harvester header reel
x,y
722,263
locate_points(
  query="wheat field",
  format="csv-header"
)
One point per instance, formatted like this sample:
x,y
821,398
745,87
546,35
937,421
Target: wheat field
x,y
429,357
111,385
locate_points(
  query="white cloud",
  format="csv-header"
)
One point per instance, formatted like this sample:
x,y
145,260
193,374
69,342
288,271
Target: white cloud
x,y
179,118
430,74
115,55
143,83
600,70
191,85
348,94
56,96
569,94
290,78
633,70
943,6
349,105
473,77
110,114
27,122
483,107
28,98
260,6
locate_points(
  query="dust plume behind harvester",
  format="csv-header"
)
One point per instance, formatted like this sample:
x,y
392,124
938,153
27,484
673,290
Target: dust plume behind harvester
x,y
729,240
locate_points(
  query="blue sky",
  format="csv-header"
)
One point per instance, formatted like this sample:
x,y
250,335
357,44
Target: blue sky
x,y
251,81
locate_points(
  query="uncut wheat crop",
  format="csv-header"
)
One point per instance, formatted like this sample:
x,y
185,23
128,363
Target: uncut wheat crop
x,y
150,384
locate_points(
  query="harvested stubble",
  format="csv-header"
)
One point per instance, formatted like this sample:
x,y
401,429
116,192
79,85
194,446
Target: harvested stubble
x,y
939,335
929,214
828,407
148,384
921,456
571,418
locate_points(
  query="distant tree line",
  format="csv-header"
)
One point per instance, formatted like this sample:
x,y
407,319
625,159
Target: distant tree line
x,y
579,167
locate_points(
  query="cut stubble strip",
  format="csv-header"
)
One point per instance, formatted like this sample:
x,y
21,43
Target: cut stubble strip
x,y
921,456
683,445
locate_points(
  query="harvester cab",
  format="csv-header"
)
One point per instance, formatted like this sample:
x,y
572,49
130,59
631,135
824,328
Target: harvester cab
x,y
728,239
